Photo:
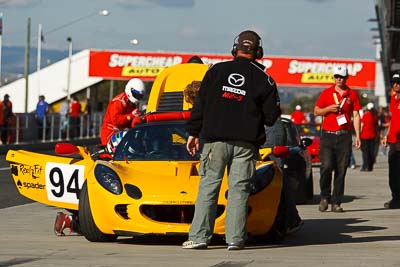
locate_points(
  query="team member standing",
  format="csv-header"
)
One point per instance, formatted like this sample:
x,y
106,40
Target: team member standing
x,y
75,117
298,116
191,92
42,108
393,140
6,114
236,99
337,104
122,110
369,127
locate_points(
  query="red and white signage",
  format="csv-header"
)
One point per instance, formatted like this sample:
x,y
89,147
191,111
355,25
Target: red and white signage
x,y
286,71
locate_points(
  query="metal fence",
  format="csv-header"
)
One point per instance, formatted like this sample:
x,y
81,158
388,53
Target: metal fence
x,y
24,127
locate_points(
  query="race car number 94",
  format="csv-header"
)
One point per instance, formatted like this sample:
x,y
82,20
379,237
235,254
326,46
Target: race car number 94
x,y
64,182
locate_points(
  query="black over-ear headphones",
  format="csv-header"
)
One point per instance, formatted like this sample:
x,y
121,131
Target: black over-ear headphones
x,y
259,51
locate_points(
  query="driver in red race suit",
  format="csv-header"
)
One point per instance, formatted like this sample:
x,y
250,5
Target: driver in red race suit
x,y
122,111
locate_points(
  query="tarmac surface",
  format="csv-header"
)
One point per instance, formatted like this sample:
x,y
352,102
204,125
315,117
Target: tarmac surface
x,y
366,234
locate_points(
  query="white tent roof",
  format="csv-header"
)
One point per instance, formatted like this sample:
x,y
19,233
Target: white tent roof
x,y
52,81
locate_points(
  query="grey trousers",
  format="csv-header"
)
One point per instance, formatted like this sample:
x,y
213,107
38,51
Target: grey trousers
x,y
239,158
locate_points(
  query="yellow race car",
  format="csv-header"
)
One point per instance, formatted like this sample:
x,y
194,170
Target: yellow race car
x,y
149,186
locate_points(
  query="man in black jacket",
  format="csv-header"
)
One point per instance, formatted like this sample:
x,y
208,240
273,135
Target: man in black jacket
x,y
236,99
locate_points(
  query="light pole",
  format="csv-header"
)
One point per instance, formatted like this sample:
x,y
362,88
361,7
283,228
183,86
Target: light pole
x,y
39,53
69,40
28,46
103,12
133,41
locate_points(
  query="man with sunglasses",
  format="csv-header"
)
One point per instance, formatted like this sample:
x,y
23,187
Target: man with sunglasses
x,y
122,111
338,105
393,140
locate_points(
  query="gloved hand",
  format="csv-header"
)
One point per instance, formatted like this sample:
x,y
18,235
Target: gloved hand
x,y
136,120
136,112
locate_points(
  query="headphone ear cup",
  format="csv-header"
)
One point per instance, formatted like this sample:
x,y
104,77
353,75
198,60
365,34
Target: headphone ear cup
x,y
259,52
234,50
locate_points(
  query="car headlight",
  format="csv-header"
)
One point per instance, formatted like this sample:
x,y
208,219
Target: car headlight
x,y
262,178
108,179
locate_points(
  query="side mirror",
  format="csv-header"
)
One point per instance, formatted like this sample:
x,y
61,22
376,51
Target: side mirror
x,y
66,149
281,151
306,141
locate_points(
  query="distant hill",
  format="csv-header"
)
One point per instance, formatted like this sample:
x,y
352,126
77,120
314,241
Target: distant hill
x,y
13,60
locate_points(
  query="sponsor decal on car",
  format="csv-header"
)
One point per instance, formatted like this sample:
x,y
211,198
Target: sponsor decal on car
x,y
29,185
34,170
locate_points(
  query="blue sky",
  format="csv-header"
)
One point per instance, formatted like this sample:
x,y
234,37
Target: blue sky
x,y
309,28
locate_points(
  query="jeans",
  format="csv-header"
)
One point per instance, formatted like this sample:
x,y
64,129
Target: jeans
x,y
352,160
239,158
368,153
4,133
42,127
394,172
334,153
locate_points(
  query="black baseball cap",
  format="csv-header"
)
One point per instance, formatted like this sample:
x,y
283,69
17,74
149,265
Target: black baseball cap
x,y
248,41
396,78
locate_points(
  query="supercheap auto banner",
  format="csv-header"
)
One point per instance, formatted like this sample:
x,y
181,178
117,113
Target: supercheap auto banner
x,y
287,71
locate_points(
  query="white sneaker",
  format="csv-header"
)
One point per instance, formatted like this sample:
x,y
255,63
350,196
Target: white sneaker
x,y
194,245
236,246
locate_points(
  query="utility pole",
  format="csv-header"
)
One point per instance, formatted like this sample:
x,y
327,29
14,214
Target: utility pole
x,y
39,55
28,47
69,40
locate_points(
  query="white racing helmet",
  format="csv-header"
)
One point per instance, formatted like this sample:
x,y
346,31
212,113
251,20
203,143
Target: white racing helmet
x,y
114,141
134,89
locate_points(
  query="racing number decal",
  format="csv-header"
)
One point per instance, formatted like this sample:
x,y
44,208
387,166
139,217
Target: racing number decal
x,y
63,182
57,180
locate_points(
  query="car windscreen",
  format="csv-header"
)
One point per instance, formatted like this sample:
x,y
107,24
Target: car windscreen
x,y
155,141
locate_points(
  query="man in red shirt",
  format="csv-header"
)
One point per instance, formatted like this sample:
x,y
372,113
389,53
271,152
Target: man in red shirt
x,y
393,140
337,104
6,114
298,116
122,111
369,127
74,117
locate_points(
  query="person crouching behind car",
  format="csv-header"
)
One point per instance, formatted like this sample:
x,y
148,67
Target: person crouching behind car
x,y
123,110
68,223
191,91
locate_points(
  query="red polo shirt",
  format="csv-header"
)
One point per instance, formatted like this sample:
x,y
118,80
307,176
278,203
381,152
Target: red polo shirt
x,y
394,108
75,109
351,103
298,117
369,123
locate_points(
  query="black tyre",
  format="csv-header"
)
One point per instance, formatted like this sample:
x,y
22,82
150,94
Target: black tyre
x,y
277,233
87,224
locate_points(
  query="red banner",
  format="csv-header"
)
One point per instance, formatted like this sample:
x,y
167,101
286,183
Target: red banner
x,y
287,71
